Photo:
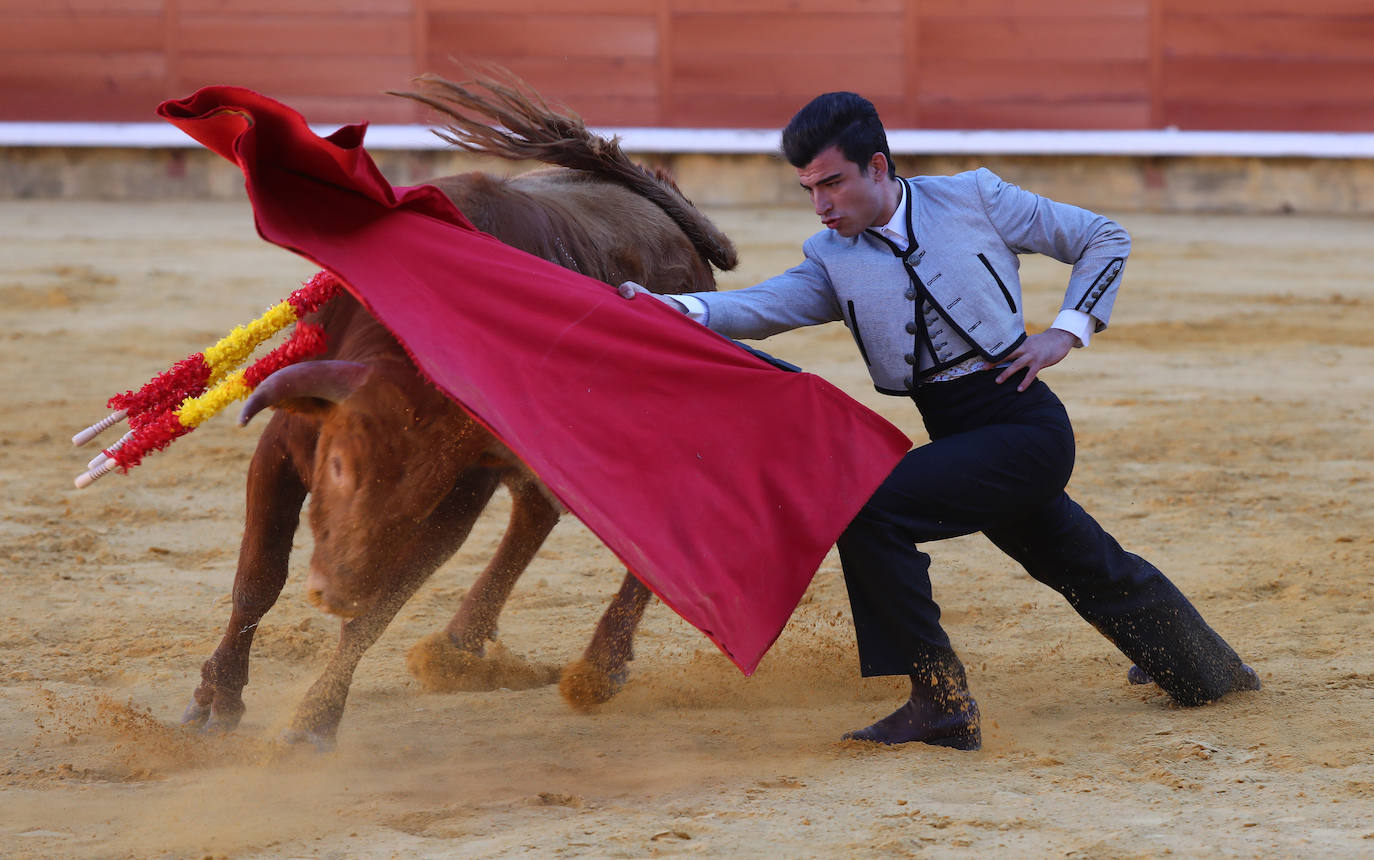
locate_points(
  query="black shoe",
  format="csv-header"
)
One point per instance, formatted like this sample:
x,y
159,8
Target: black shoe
x,y
923,721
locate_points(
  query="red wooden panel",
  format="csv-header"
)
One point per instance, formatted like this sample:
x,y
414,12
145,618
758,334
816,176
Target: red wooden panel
x,y
340,110
602,90
123,101
70,87
602,76
1033,39
295,7
1052,81
1242,8
816,37
295,35
1211,116
1269,37
540,8
82,7
891,8
287,78
993,9
786,77
1265,82
730,111
81,33
543,36
1019,115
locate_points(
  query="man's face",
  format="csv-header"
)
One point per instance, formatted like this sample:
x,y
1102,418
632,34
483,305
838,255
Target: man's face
x,y
848,199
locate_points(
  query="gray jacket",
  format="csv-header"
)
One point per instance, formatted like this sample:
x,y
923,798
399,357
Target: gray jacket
x,y
961,267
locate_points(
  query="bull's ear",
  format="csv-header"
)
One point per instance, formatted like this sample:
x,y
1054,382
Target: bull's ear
x,y
309,388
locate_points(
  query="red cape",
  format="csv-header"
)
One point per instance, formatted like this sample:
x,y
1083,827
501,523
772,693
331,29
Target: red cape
x,y
719,480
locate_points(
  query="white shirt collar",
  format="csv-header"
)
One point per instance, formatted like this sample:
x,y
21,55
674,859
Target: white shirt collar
x,y
895,229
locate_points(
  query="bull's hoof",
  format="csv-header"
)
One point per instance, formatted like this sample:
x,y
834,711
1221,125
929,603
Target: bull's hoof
x,y
196,715
321,742
584,686
212,718
442,667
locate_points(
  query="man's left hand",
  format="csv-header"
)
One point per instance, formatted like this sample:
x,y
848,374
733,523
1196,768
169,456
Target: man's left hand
x,y
1037,352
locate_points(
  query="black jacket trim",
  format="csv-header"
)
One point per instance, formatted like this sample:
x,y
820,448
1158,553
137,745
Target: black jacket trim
x,y
1109,273
1006,293
858,336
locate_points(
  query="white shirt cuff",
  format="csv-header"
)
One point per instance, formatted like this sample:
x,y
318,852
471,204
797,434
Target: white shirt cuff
x,y
1076,323
696,308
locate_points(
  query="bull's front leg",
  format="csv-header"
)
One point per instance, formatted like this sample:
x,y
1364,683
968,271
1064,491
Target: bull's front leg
x,y
275,494
604,667
317,717
458,658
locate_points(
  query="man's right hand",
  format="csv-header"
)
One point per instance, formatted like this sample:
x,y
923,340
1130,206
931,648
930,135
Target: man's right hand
x,y
629,289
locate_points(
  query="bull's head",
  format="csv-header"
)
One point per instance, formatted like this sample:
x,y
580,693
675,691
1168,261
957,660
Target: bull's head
x,y
388,449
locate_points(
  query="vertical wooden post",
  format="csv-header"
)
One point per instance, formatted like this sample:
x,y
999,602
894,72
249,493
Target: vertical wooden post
x,y
171,55
911,32
665,111
1156,75
419,47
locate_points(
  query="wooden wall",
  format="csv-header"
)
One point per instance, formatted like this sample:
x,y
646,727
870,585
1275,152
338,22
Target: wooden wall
x,y
1087,64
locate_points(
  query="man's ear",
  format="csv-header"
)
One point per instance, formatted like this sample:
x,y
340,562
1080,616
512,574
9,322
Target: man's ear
x,y
877,166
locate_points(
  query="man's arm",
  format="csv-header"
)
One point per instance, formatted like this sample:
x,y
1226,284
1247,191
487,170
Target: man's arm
x,y
1096,246
801,296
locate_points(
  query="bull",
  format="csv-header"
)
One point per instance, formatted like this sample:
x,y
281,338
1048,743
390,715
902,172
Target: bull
x,y
396,472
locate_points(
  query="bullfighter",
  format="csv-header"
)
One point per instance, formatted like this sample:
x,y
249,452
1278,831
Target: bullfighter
x,y
924,273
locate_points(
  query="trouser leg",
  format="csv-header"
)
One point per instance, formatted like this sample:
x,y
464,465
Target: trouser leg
x,y
952,486
1126,598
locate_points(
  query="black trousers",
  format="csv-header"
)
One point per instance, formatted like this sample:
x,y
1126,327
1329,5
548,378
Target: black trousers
x,y
997,463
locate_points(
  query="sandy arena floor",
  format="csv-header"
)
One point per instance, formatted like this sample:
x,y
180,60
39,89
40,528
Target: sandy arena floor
x,y
1223,427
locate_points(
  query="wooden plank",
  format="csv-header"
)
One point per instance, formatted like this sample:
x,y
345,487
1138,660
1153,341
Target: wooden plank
x,y
323,8
789,77
817,37
285,78
546,36
601,76
1060,80
993,9
1034,39
80,33
731,111
540,8
891,8
728,111
342,110
81,7
77,86
1213,116
51,101
1290,8
1020,115
1270,37
295,35
1265,82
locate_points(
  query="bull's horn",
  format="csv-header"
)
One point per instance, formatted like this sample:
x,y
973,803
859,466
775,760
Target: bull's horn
x,y
333,381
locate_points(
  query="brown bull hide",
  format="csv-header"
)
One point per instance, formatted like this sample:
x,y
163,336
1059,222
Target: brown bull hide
x,y
397,473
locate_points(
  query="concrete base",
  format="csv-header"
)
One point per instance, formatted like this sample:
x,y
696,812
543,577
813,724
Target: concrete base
x,y
1113,183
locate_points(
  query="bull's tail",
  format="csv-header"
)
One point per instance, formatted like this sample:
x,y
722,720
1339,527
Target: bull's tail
x,y
524,127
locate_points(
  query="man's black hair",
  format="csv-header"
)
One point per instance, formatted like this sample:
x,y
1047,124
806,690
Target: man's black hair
x,y
846,120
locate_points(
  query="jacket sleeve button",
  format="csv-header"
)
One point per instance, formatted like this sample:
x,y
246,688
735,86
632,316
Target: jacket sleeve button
x,y
910,358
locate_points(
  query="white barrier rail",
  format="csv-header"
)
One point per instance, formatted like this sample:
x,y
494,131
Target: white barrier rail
x,y
1165,142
